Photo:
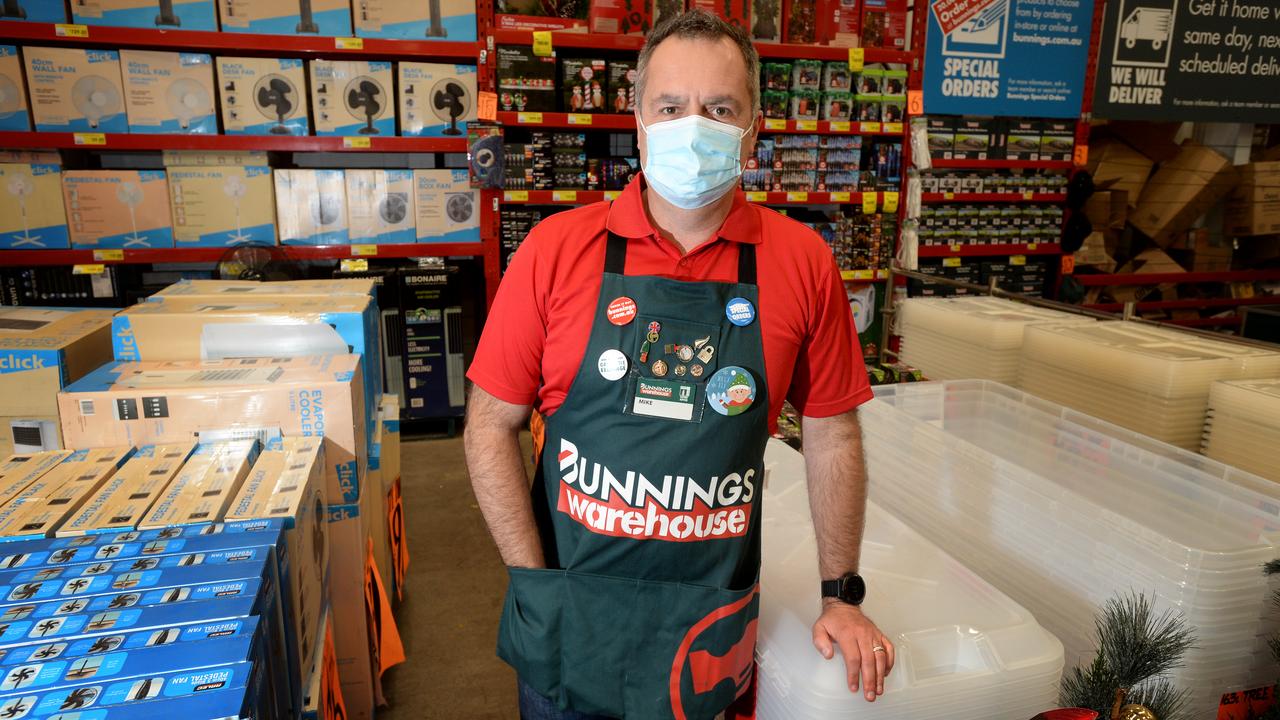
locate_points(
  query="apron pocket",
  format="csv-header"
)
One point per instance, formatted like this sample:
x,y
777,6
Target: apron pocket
x,y
529,636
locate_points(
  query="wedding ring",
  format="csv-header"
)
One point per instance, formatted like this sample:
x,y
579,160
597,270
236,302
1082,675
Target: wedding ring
x,y
877,648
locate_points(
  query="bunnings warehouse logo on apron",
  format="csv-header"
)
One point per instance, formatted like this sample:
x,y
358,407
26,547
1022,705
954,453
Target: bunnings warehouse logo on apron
x,y
675,509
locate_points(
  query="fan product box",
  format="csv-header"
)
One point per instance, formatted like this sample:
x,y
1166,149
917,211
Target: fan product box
x,y
254,288
262,96
412,20
380,207
53,576
191,631
34,11
175,14
286,17
222,206
626,17
525,81
121,503
117,208
237,700
201,329
448,210
42,507
168,92
734,12
353,97
217,158
32,215
311,207
309,396
32,157
584,85
41,351
174,547
75,90
205,485
21,471
14,115
884,24
21,632
177,585
436,99
287,482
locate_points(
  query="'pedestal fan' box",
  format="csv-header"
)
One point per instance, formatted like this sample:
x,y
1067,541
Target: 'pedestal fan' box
x,y
353,97
170,15
31,212
286,17
222,206
451,20
262,96
169,93
436,99
75,90
117,208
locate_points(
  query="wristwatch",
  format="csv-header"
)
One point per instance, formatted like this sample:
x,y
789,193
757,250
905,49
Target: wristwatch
x,y
849,588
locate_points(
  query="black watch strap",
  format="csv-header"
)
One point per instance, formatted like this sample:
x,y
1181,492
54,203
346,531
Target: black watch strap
x,y
849,588
831,588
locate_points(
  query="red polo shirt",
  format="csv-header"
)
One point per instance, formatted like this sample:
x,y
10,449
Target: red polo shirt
x,y
537,332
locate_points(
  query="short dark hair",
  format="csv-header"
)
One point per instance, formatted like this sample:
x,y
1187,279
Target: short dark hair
x,y
702,25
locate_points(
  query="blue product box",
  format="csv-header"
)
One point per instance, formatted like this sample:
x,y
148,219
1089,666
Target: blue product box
x,y
175,15
44,11
87,549
287,17
452,20
55,574
19,632
39,651
224,704
18,120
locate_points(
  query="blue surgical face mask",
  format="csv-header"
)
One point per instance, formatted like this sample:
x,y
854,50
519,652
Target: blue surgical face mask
x,y
693,161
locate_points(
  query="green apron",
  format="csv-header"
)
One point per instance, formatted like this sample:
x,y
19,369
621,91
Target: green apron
x,y
647,497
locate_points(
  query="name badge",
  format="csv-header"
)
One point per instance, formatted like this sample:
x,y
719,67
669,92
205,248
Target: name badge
x,y
669,399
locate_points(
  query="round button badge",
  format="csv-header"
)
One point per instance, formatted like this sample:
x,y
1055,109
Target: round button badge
x,y
621,311
731,391
613,365
740,311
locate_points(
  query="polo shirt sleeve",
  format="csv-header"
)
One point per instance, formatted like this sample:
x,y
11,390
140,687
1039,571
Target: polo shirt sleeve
x,y
508,359
830,377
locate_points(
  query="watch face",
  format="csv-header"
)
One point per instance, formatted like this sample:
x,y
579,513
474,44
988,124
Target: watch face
x,y
853,590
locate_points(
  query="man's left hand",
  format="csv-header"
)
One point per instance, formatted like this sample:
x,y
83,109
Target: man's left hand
x,y
845,625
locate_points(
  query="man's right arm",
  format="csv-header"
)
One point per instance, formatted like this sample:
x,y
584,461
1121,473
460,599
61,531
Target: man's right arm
x,y
492,443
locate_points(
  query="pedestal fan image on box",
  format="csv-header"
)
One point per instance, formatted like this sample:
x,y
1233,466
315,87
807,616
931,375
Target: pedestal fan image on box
x,y
21,187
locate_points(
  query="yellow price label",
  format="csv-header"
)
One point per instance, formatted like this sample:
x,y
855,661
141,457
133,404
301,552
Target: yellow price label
x,y
363,250
542,43
529,118
516,196
73,31
88,269
949,196
109,255
612,194
807,125
951,262
869,203
757,197
357,143
859,275
579,119
870,127
839,126
564,195
354,265
894,128
1028,195
90,139
797,197
1017,259
840,197
1032,246
775,124
891,202
348,43
955,247
857,58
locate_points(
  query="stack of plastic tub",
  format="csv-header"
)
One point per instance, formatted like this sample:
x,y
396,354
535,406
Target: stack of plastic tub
x,y
965,650
1063,511
1151,379
1242,427
970,337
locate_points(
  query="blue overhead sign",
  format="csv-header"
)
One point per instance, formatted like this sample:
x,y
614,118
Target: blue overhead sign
x,y
1023,58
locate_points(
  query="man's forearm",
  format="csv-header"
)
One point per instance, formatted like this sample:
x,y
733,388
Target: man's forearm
x,y
501,486
837,478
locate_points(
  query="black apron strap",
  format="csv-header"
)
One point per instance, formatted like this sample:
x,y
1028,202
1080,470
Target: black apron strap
x,y
746,264
615,259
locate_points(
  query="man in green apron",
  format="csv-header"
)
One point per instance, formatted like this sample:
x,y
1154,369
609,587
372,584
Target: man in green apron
x,y
657,335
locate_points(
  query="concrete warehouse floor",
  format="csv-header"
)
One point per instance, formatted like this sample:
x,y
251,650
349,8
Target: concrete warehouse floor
x,y
453,597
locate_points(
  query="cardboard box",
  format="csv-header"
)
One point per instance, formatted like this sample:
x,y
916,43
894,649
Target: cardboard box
x,y
614,17
167,92
311,207
55,575
380,206
200,158
525,81
1182,190
255,289
421,84
101,593
41,351
194,328
1199,250
107,553
884,24
1253,207
287,482
191,631
1107,209
283,17
353,97
14,114
221,206
75,90
412,20
262,96
117,208
840,23
237,699
24,470
45,504
304,396
347,536
178,14
1156,140
448,210
42,11
31,157
381,465
1117,166
205,485
32,215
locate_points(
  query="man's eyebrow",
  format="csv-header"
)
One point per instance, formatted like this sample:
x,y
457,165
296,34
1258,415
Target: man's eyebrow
x,y
668,98
729,100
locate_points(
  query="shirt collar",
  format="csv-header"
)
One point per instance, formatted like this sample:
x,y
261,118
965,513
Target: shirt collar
x,y
627,216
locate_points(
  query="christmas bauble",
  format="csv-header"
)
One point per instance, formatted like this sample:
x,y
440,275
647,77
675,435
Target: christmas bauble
x,y
1136,712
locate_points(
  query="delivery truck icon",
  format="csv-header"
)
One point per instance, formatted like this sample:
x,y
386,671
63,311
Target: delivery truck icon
x,y
1147,24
